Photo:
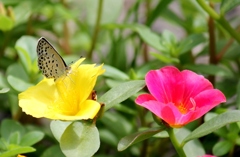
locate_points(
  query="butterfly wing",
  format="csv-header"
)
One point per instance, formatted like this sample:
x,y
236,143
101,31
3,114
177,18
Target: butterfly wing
x,y
49,61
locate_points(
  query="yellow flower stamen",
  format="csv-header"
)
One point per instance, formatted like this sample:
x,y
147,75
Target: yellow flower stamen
x,y
182,108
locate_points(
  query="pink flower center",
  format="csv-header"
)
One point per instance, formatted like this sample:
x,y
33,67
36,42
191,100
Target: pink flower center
x,y
184,108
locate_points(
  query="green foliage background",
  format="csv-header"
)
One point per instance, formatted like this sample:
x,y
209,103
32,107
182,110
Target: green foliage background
x,y
130,38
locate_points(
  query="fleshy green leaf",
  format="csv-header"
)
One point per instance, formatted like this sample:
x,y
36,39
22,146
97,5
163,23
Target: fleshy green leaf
x,y
192,148
121,128
147,35
14,150
13,102
26,49
10,126
14,138
210,70
164,58
18,84
58,128
121,92
3,144
222,148
108,137
53,151
190,42
80,139
17,71
238,94
114,73
157,11
227,5
6,23
129,140
31,138
110,10
214,124
4,90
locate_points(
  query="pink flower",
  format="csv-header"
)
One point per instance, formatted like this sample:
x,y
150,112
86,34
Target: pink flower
x,y
179,97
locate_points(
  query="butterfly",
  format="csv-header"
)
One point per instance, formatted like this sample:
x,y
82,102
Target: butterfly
x,y
50,62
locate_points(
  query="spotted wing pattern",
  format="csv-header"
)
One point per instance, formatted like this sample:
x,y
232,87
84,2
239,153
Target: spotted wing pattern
x,y
49,61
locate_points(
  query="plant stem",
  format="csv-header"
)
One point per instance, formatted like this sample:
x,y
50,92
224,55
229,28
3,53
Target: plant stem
x,y
212,46
175,143
97,28
220,19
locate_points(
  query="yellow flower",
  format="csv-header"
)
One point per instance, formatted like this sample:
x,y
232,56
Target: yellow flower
x,y
67,98
21,155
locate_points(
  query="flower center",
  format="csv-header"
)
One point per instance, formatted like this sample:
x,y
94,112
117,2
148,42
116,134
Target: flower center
x,y
182,108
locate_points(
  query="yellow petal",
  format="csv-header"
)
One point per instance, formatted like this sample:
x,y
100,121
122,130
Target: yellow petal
x,y
89,110
67,97
36,100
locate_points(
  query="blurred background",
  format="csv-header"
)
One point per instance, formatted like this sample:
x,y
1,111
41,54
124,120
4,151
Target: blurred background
x,y
130,37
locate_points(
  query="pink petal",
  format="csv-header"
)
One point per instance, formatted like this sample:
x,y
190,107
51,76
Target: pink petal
x,y
205,101
174,117
153,106
194,84
144,97
169,114
166,84
211,97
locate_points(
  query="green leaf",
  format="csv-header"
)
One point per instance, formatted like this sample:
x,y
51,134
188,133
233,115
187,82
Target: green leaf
x,y
14,138
31,138
17,71
108,137
4,90
164,58
23,11
238,94
3,144
132,139
222,147
121,92
110,10
113,82
10,126
15,150
26,49
192,148
141,72
122,128
58,127
125,109
112,72
157,11
80,139
6,23
227,5
210,70
10,2
190,42
148,36
117,51
53,151
13,102
214,124
18,84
